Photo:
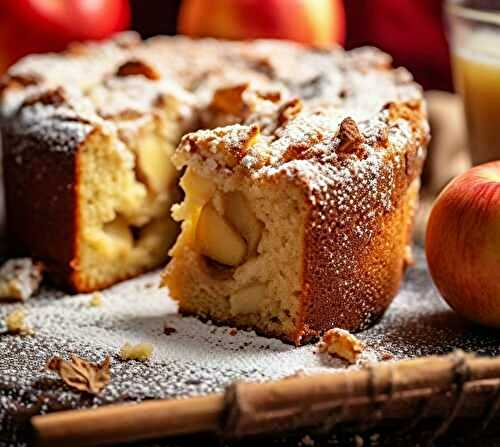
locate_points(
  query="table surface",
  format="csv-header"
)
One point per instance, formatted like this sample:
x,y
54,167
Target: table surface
x,y
198,358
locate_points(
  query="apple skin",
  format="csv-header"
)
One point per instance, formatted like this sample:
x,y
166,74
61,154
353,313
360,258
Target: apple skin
x,y
313,22
463,244
38,26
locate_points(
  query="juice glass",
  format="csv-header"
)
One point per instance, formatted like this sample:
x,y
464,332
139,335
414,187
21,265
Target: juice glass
x,y
474,30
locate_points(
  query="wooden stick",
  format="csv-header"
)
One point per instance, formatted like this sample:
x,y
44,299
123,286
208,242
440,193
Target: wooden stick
x,y
249,408
124,423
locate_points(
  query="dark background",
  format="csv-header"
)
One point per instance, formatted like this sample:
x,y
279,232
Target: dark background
x,y
412,31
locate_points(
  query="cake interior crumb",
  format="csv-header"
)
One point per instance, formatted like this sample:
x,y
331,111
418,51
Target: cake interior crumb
x,y
16,323
140,351
96,299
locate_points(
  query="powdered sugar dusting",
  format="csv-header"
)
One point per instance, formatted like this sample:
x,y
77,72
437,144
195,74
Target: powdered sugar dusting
x,y
197,358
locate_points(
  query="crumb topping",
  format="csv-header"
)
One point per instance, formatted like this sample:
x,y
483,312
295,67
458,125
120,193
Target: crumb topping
x,y
259,85
140,351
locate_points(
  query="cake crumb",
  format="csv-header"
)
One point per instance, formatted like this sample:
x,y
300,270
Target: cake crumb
x,y
341,343
233,332
169,330
297,374
96,300
140,351
358,441
16,323
307,441
386,355
20,279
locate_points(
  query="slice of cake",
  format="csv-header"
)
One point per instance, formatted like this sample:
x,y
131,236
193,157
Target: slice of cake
x,y
88,177
300,223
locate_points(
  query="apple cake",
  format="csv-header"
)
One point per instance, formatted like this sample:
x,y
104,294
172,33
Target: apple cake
x,y
293,173
298,224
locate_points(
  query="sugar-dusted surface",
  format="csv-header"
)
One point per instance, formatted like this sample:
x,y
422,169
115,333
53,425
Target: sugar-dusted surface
x,y
197,358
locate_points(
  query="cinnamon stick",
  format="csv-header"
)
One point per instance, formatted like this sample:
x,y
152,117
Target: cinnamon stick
x,y
382,391
124,423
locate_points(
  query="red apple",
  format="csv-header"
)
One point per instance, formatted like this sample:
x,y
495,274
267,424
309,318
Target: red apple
x,y
31,26
463,244
314,22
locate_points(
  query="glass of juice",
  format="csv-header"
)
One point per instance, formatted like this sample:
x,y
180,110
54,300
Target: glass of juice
x,y
474,30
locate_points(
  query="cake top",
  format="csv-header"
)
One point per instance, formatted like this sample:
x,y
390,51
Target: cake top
x,y
126,78
343,125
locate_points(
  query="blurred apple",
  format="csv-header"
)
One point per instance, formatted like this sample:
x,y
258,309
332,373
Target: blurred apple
x,y
463,244
32,26
314,22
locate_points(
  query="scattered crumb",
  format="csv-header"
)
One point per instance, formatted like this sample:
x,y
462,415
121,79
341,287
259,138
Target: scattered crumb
x,y
233,332
341,343
386,355
141,351
20,279
408,258
307,441
96,299
82,374
16,323
358,441
168,330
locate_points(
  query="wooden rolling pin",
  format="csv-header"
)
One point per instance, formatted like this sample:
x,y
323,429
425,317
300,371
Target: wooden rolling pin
x,y
378,392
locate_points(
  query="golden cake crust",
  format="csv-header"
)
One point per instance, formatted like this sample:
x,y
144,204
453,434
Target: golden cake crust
x,y
343,126
360,182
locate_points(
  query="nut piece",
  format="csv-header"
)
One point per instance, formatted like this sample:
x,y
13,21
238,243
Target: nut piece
x,y
218,240
289,110
350,137
140,352
237,211
20,278
247,300
230,99
137,67
341,343
153,164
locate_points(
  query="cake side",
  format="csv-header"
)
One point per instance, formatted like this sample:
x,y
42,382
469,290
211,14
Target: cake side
x,y
359,236
41,187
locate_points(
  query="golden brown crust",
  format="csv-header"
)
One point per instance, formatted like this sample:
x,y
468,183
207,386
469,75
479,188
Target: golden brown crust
x,y
258,92
360,183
